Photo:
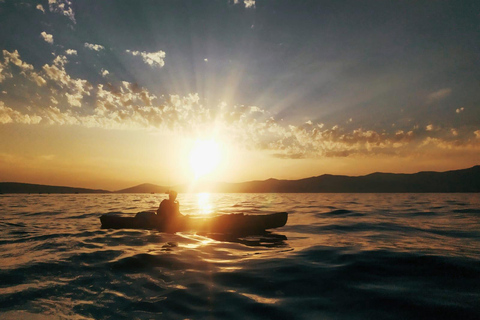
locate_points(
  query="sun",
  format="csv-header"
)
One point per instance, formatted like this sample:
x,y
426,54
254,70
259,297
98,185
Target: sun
x,y
204,157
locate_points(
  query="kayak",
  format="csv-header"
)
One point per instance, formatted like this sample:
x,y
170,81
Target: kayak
x,y
227,223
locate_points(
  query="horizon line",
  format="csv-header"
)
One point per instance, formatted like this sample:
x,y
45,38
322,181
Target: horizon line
x,y
219,182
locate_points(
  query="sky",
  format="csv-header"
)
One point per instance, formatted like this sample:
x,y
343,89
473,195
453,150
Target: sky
x,y
109,94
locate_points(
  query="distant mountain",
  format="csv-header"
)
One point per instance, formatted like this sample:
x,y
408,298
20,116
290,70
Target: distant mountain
x,y
16,187
144,188
464,180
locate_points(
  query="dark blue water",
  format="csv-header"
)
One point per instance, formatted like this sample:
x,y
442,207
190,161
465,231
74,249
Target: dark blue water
x,y
340,256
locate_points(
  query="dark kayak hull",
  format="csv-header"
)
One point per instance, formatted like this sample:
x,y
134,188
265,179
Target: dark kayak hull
x,y
229,223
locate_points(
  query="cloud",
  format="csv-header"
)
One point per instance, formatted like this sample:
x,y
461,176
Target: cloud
x,y
301,142
153,59
444,144
63,7
8,115
74,89
47,37
247,3
40,7
4,73
127,106
95,47
438,95
39,80
71,52
111,98
53,115
13,58
75,99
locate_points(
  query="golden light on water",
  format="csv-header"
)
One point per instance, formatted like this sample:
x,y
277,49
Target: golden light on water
x,y
204,204
196,240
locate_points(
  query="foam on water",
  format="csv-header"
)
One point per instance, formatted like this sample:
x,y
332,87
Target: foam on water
x,y
340,256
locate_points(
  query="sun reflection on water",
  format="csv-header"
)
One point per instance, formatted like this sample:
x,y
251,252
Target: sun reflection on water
x,y
197,240
257,298
204,203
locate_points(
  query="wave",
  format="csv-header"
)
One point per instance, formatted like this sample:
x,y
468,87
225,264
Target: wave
x,y
44,213
470,210
371,256
339,212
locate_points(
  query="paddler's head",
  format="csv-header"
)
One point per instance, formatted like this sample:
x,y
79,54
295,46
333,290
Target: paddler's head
x,y
172,195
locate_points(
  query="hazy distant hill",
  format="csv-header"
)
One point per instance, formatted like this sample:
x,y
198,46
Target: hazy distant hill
x,y
15,187
144,188
465,180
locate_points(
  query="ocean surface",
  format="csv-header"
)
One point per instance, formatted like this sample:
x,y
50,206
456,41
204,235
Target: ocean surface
x,y
340,256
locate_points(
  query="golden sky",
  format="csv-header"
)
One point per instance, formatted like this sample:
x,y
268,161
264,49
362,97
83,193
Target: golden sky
x,y
225,92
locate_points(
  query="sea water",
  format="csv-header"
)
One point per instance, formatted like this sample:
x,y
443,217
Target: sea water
x,y
340,256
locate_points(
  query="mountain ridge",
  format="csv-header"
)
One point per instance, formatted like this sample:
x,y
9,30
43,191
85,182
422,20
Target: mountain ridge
x,y
461,180
19,187
144,188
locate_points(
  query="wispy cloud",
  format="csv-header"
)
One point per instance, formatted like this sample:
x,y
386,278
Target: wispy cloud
x,y
95,47
438,95
47,37
153,59
63,7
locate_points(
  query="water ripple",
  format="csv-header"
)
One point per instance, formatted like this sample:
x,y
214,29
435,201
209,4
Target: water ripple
x,y
339,257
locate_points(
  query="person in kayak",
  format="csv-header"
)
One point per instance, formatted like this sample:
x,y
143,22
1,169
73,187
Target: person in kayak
x,y
169,209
